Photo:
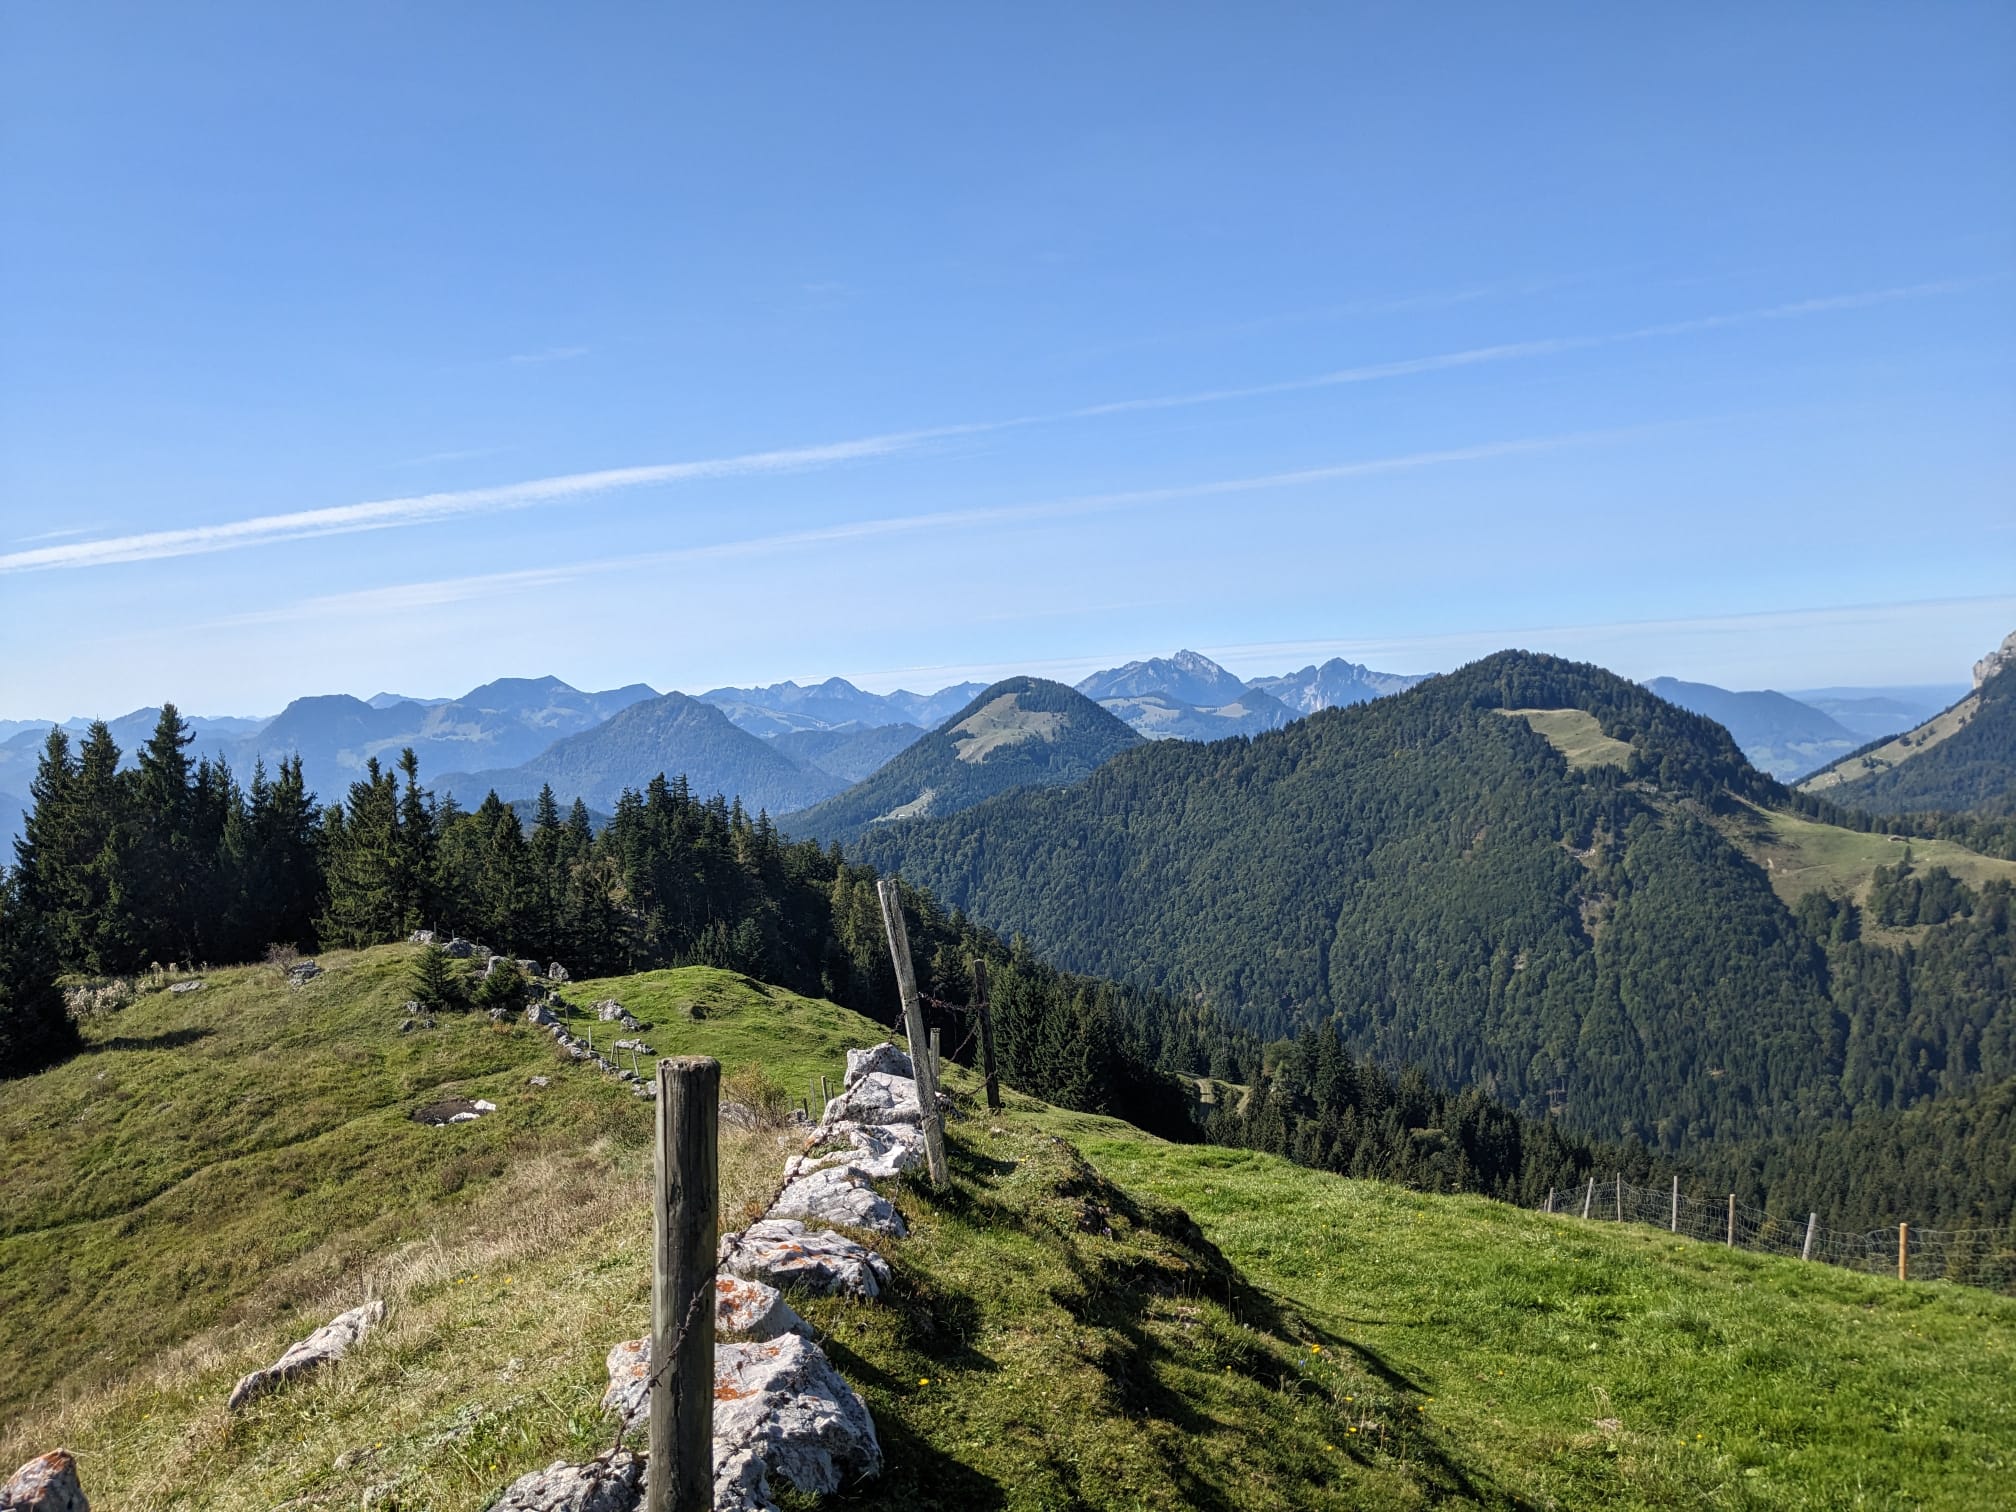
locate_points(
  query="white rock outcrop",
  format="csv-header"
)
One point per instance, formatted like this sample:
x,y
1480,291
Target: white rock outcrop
x,y
876,1098
610,1484
785,1253
842,1195
2002,656
877,1151
325,1346
887,1057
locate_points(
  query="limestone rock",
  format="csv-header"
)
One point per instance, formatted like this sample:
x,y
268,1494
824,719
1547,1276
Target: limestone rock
x,y
612,1483
781,1411
876,1098
459,948
537,1081
839,1194
784,1252
195,986
302,972
327,1344
887,1057
541,1015
609,1011
555,972
421,937
47,1483
746,1309
2002,656
877,1151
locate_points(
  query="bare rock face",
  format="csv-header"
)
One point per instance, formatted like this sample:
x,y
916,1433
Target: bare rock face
x,y
783,1252
2002,656
842,1195
887,1057
780,1410
876,1097
877,1151
326,1345
613,1483
47,1483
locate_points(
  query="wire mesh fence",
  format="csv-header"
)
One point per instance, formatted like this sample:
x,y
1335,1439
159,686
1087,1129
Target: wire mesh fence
x,y
1970,1257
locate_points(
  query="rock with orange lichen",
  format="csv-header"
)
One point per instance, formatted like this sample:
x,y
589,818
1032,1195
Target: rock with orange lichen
x,y
784,1252
47,1483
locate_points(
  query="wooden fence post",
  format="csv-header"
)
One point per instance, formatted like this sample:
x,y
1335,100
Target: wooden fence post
x,y
1806,1249
1620,1196
937,1060
1588,1196
825,1090
1550,1199
1903,1251
680,1474
986,1012
913,1025
1732,1220
1675,1225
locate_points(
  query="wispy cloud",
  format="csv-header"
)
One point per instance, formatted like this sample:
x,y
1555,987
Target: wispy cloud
x,y
382,514
550,354
409,596
418,509
56,535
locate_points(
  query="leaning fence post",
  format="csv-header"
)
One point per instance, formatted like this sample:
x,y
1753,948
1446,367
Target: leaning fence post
x,y
1806,1249
679,1476
980,1006
1903,1251
1675,1225
1550,1199
913,1025
1588,1196
1732,1220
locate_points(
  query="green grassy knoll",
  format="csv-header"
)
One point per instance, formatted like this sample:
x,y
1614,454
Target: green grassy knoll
x,y
1576,735
1618,1367
1803,855
1138,1325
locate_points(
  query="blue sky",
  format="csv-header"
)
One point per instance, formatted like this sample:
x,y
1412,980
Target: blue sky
x,y
359,347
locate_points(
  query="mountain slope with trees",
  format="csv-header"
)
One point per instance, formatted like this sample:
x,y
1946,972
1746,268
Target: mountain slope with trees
x,y
1777,734
1440,883
1022,733
1962,760
672,733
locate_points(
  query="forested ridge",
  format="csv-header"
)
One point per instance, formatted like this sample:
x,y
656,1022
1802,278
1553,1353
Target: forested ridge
x,y
1434,879
1970,771
175,861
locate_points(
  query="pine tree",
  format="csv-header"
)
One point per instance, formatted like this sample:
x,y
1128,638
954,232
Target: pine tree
x,y
435,982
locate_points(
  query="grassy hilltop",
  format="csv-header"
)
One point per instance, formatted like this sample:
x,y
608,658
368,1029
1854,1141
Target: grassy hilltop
x,y
1088,1317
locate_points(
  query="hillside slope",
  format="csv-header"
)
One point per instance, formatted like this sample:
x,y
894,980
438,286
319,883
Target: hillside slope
x,y
1962,759
675,735
1140,1324
1020,733
1543,904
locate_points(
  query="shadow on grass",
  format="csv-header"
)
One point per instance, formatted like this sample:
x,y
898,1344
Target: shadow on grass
x,y
167,1039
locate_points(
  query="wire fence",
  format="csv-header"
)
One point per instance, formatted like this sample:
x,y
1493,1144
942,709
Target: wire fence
x,y
1970,1257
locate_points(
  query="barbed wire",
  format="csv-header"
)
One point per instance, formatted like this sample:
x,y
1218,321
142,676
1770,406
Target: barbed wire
x,y
1969,1257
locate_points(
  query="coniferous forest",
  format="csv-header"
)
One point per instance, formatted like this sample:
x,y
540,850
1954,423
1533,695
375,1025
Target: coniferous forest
x,y
173,861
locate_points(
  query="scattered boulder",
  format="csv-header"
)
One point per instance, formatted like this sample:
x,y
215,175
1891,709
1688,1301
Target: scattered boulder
x,y
839,1194
783,1252
327,1344
609,1011
877,1151
537,1081
459,948
612,1483
421,937
876,1098
555,972
302,972
544,1017
47,1483
888,1057
633,1044
454,1110
191,986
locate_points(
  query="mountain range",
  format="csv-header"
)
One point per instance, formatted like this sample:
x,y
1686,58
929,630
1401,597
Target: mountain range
x,y
1024,733
1958,760
1530,875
